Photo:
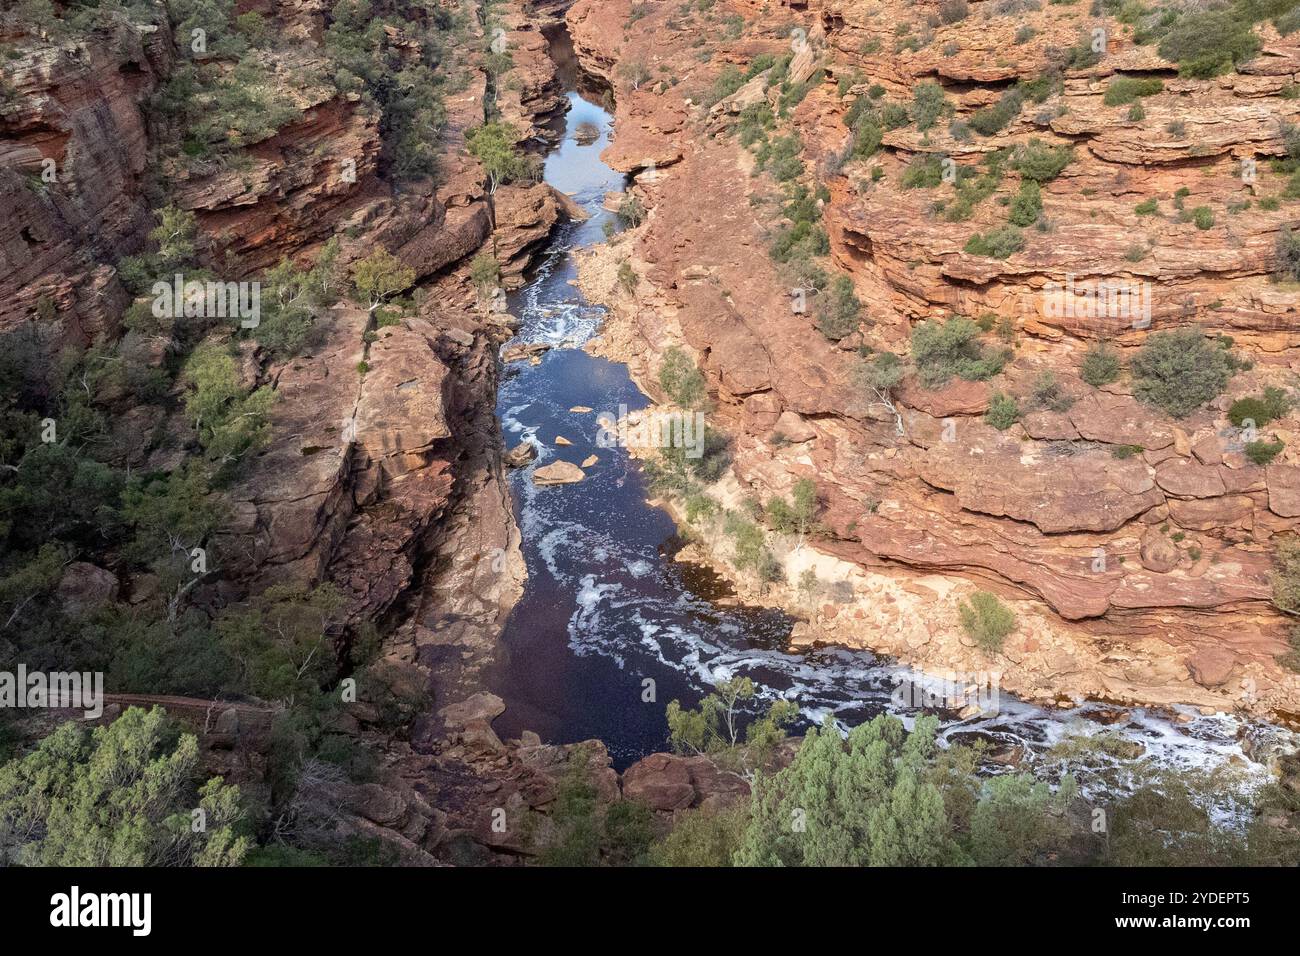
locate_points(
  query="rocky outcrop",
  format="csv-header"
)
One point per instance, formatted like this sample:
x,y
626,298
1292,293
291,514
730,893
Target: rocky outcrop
x,y
74,144
1138,543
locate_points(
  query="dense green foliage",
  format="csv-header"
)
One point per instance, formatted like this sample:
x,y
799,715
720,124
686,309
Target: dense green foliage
x,y
1003,411
124,795
864,801
1288,255
715,726
986,620
682,379
1178,371
1272,405
998,243
942,350
839,311
1128,89
1101,365
1039,162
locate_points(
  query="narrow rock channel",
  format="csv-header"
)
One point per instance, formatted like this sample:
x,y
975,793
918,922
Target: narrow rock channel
x,y
610,628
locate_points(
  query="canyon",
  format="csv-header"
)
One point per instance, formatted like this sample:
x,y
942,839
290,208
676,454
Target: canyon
x,y
1137,581
1027,513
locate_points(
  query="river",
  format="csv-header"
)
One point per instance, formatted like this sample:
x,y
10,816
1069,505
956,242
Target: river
x,y
606,608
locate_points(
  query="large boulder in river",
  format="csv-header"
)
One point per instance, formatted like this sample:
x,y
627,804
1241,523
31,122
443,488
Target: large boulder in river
x,y
558,473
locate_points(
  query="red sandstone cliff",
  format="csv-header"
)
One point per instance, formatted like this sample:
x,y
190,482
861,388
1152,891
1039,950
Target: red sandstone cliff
x,y
1179,609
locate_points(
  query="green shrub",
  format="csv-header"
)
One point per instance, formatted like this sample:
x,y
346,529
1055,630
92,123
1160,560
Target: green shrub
x,y
839,315
924,172
953,11
986,620
1147,207
1027,205
1047,394
942,350
1042,163
1288,254
1273,405
998,243
1262,452
1209,42
681,379
1101,365
1180,370
867,135
1203,216
928,104
631,212
1003,412
1127,89
1123,452
992,119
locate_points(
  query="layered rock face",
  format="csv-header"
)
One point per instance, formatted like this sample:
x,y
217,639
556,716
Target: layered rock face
x,y
1138,545
382,475
73,152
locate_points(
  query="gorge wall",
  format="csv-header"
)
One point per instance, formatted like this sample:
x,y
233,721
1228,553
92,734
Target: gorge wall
x,y
1135,547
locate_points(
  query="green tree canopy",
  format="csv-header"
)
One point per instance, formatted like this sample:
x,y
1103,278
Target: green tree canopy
x,y
124,795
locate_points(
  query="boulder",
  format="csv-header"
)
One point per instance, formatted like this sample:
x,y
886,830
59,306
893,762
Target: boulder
x,y
794,429
558,473
481,706
1211,666
660,781
1159,554
520,455
85,586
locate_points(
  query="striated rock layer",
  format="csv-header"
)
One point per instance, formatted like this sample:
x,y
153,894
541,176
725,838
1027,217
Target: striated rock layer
x,y
1136,547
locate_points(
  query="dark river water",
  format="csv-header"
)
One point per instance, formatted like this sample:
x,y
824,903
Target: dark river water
x,y
606,608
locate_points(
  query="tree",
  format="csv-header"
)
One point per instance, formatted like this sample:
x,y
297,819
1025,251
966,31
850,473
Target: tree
x,y
714,726
380,276
292,299
230,421
704,837
485,274
1019,820
283,642
31,581
880,376
493,145
864,801
175,238
172,517
124,795
634,73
